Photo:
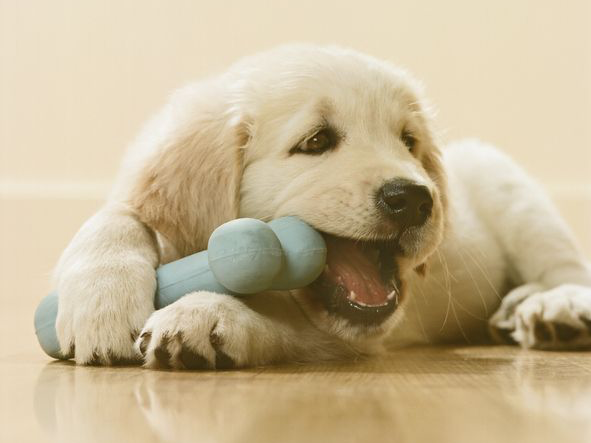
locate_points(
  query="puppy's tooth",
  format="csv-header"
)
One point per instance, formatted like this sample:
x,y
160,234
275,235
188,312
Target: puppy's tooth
x,y
392,294
352,295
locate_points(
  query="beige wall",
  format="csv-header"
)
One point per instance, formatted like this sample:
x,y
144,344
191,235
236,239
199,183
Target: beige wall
x,y
77,79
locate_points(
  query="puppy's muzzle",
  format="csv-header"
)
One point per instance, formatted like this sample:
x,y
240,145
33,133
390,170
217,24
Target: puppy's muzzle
x,y
406,203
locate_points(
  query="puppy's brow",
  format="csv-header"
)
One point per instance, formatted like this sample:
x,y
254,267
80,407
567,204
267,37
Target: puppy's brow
x,y
325,108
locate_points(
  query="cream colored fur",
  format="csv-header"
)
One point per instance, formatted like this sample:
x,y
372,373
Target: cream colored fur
x,y
220,149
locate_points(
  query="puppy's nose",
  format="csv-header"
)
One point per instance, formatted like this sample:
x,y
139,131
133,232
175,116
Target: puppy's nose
x,y
405,202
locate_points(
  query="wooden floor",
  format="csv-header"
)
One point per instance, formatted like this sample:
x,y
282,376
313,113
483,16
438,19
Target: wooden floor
x,y
454,394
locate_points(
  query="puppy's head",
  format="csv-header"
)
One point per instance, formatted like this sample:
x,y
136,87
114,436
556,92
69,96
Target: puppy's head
x,y
334,137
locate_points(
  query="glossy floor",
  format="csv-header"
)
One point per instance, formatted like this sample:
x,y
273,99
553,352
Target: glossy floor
x,y
457,394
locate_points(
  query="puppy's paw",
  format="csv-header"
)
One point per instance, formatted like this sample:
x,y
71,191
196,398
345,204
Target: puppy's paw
x,y
502,323
99,325
100,337
557,319
204,330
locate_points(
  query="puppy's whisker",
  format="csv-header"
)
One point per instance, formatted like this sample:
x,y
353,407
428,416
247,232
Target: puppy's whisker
x,y
474,246
467,268
467,311
460,324
455,301
484,274
418,312
448,292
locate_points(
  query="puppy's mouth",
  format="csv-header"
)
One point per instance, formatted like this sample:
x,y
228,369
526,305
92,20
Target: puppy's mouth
x,y
360,282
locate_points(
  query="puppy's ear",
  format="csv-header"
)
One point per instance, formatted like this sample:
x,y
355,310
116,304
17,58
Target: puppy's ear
x,y
433,164
190,184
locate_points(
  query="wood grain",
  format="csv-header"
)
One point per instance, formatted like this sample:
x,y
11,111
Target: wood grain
x,y
450,394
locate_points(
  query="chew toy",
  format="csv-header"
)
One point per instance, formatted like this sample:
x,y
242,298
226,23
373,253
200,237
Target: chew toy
x,y
243,256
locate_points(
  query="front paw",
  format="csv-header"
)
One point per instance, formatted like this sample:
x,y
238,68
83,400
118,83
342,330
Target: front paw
x,y
100,325
204,330
557,319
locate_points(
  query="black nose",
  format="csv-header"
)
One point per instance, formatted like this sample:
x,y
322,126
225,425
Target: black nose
x,y
405,202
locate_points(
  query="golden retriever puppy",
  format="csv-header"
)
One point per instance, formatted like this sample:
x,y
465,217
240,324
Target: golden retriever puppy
x,y
423,246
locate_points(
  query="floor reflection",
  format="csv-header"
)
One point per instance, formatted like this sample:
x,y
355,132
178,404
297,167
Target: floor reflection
x,y
76,404
488,397
120,404
557,388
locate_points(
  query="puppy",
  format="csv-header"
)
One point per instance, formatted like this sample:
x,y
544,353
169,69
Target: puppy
x,y
424,246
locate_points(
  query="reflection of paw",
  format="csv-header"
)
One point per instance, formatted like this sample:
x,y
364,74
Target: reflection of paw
x,y
556,319
202,330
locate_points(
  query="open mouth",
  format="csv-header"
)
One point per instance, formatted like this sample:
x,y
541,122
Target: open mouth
x,y
360,282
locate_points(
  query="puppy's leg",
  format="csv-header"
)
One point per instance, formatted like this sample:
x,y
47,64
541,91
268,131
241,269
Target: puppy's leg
x,y
205,330
106,281
552,308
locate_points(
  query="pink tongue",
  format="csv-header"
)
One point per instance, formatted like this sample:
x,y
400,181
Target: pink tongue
x,y
350,267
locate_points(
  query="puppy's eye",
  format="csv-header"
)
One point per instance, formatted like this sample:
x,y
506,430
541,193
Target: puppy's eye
x,y
322,141
408,139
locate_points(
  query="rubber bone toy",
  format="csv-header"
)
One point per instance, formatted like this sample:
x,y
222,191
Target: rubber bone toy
x,y
244,256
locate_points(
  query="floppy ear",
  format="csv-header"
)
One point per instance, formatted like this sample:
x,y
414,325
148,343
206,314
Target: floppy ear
x,y
433,164
431,157
190,184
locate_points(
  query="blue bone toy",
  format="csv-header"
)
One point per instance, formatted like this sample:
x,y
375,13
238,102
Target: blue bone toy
x,y
243,256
